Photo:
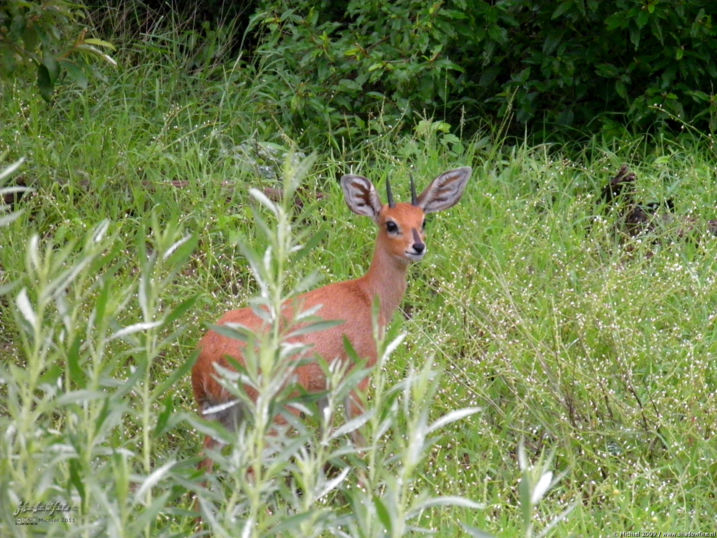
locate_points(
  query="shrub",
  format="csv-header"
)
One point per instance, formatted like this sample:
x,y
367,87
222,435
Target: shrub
x,y
47,35
336,66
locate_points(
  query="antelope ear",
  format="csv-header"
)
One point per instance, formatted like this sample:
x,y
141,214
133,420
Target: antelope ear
x,y
445,190
361,196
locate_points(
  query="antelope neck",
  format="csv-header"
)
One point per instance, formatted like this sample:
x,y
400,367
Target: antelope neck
x,y
386,278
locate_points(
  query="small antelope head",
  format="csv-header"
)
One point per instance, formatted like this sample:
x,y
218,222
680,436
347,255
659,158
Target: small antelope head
x,y
401,225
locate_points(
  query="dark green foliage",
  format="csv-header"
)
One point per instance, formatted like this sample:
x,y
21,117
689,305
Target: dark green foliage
x,y
336,66
570,61
334,69
49,36
333,66
205,30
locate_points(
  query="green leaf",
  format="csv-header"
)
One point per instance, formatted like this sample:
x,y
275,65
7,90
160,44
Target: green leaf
x,y
606,70
8,62
562,8
453,416
124,386
234,331
100,307
264,200
80,396
77,374
53,68
180,250
163,418
180,310
306,248
349,85
7,172
524,491
307,283
101,43
175,376
7,219
642,18
97,52
352,425
76,478
17,25
383,515
315,327
44,82
25,307
149,514
290,524
30,37
449,500
107,407
557,519
75,73
152,480
136,328
634,37
621,89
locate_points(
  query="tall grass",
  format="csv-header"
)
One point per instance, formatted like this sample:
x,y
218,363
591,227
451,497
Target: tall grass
x,y
577,343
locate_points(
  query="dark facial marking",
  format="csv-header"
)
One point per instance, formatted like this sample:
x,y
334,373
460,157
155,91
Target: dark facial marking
x,y
418,244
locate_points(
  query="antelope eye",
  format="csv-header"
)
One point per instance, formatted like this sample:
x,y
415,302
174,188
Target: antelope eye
x,y
423,224
391,227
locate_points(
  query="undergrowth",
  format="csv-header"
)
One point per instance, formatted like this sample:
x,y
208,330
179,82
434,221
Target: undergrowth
x,y
590,349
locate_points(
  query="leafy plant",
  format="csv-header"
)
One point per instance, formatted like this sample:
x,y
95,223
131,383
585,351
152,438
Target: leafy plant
x,y
48,36
535,482
376,59
6,217
79,382
337,67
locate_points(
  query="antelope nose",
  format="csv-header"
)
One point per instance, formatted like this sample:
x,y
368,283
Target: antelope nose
x,y
418,245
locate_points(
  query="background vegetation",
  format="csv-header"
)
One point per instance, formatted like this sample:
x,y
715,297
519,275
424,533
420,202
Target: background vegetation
x,y
545,64
534,319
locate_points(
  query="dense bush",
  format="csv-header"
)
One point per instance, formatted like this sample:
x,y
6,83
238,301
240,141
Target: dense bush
x,y
335,66
560,62
50,37
328,69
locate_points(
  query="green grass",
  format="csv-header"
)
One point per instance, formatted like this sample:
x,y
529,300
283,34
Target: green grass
x,y
568,339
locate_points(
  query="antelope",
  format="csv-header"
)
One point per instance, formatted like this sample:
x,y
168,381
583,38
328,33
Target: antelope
x,y
400,242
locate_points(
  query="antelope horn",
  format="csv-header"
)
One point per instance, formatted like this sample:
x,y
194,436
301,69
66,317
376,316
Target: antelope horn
x,y
389,194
